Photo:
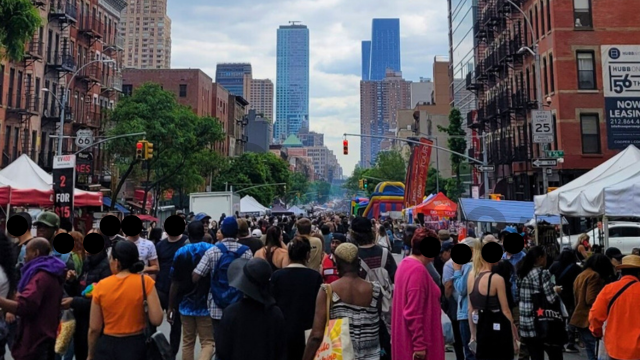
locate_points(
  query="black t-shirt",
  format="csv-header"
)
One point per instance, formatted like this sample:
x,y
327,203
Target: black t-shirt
x,y
373,257
565,277
166,251
254,244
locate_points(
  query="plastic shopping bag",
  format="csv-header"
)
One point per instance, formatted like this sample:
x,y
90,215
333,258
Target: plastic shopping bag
x,y
65,332
447,328
601,351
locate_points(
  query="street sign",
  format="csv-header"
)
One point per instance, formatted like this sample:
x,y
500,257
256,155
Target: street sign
x,y
542,126
486,168
554,154
545,162
63,185
84,138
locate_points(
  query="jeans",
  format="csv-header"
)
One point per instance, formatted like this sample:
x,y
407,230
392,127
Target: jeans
x,y
589,343
465,333
197,326
537,349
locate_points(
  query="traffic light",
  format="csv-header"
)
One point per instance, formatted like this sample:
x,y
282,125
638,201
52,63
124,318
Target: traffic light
x,y
139,149
148,150
364,183
360,184
345,146
496,197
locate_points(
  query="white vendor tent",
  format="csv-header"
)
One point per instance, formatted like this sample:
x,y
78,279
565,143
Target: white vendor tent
x,y
568,197
296,210
249,205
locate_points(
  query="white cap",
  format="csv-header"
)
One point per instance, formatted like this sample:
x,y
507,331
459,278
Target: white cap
x,y
256,233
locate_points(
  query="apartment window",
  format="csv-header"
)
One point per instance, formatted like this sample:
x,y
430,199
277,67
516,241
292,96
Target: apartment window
x,y
7,140
586,70
535,21
127,90
590,131
16,137
1,83
45,99
12,78
37,95
544,74
535,83
542,16
183,90
549,16
533,40
582,14
34,140
551,74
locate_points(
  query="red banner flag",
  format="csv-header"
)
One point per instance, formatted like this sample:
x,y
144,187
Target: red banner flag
x,y
417,173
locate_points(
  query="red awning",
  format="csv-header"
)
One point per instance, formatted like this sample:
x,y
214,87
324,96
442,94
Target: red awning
x,y
439,205
145,217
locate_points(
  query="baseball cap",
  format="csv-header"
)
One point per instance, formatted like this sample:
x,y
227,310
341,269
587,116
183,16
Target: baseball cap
x,y
201,216
614,253
361,225
446,246
256,233
229,227
49,219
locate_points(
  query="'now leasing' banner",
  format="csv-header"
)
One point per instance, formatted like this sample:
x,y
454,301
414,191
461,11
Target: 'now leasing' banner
x,y
416,180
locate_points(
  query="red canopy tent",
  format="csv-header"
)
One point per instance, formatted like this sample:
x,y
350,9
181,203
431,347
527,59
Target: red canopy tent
x,y
440,205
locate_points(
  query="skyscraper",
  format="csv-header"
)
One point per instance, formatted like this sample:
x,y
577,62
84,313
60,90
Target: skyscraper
x,y
147,34
292,82
461,52
235,77
383,51
261,97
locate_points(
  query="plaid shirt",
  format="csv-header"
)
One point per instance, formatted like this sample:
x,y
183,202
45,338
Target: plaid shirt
x,y
528,286
208,264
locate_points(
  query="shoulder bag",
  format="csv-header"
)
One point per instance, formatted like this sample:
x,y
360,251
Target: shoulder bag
x,y
336,343
548,320
158,348
494,336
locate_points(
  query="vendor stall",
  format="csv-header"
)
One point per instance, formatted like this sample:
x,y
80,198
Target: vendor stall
x,y
250,206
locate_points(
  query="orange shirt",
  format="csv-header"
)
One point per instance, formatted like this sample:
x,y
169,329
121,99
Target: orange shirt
x,y
121,303
622,334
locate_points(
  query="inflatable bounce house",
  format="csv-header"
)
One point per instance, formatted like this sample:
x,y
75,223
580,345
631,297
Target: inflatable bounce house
x,y
387,198
358,204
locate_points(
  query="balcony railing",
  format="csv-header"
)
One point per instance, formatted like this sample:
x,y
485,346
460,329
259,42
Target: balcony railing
x,y
91,72
63,62
34,50
64,11
91,118
30,105
119,42
91,26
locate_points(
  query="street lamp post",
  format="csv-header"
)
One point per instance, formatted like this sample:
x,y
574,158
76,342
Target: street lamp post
x,y
64,100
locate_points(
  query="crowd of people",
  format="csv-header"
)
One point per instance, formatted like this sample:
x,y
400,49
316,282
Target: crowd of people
x,y
268,288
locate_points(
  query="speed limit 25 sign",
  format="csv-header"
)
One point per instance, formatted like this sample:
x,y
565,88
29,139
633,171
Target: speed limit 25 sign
x,y
542,126
64,176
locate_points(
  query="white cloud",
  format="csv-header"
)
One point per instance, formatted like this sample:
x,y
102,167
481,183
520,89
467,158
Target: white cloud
x,y
205,33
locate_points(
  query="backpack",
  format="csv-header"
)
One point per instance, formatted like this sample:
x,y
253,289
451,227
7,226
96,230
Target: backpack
x,y
223,294
381,276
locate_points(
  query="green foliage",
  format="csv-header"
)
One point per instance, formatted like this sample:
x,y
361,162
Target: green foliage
x,y
322,191
433,180
389,166
299,189
457,141
183,142
453,189
19,20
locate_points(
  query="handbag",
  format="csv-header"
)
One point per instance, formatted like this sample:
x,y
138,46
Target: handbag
x,y
336,343
157,345
548,321
494,336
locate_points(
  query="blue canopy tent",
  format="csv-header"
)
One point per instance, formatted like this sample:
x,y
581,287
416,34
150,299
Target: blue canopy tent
x,y
107,202
505,211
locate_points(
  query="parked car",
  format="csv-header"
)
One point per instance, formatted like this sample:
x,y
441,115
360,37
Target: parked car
x,y
623,235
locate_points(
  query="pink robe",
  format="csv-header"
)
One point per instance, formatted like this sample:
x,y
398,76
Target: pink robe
x,y
415,318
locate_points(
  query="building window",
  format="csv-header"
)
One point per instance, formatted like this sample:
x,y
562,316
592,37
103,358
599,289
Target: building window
x,y
127,89
549,16
590,131
533,40
535,22
542,16
1,83
586,70
582,14
544,74
552,81
183,90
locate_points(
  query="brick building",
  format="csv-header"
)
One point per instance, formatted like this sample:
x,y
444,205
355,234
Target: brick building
x,y
220,110
569,35
62,56
236,125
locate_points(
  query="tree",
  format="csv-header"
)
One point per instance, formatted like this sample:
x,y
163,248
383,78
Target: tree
x,y
19,20
352,183
323,191
298,189
182,141
433,180
458,143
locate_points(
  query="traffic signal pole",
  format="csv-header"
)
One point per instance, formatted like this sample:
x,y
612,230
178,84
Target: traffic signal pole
x,y
483,162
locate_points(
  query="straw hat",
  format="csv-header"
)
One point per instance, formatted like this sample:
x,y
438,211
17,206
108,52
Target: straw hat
x,y
629,262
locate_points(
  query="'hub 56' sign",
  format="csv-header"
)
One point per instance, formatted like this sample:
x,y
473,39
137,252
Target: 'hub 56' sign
x,y
64,176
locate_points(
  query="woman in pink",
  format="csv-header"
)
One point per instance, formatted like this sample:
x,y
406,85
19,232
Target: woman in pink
x,y
416,331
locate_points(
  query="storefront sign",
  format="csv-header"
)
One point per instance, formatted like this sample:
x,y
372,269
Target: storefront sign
x,y
64,176
621,72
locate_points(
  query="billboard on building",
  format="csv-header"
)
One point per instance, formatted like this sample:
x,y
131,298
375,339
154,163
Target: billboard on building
x,y
621,73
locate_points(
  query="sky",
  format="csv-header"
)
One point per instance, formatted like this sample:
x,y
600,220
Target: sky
x,y
205,33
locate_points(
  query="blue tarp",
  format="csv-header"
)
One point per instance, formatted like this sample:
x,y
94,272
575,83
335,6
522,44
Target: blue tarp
x,y
107,202
505,211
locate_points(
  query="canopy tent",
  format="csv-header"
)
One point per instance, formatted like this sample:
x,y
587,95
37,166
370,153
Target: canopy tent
x,y
249,205
107,202
549,204
505,211
30,185
438,205
296,210
278,209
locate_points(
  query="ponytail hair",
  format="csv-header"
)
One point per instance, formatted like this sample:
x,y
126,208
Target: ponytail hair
x,y
526,265
126,253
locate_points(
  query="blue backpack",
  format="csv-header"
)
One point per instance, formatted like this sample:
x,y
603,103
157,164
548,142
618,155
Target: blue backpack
x,y
223,294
